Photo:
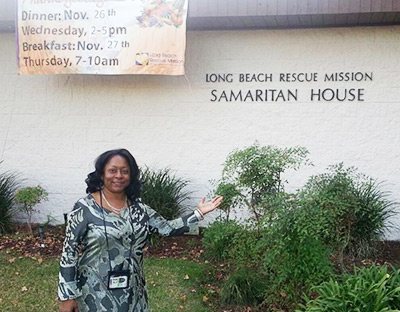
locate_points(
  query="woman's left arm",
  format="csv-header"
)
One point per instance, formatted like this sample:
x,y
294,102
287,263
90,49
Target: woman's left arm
x,y
181,225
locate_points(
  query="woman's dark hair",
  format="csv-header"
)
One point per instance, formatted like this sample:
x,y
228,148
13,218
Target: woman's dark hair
x,y
95,183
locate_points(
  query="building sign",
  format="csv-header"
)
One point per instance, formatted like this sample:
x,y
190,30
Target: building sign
x,y
102,36
323,87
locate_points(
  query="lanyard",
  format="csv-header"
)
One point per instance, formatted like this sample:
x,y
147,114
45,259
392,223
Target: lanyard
x,y
105,232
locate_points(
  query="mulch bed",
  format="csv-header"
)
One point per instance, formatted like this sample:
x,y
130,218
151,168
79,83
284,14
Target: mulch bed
x,y
187,247
24,244
389,252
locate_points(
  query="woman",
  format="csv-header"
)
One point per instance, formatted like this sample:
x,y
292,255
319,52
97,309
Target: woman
x,y
101,267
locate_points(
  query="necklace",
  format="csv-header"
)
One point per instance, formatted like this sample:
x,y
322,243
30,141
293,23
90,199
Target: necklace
x,y
114,209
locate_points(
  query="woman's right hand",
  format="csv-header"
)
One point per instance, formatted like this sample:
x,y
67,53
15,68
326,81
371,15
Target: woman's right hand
x,y
68,306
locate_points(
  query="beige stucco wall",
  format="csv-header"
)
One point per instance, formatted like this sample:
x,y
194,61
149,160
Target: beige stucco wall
x,y
52,127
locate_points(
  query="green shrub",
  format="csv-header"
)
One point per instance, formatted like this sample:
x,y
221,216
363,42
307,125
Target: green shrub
x,y
219,238
244,286
248,246
29,197
372,289
256,172
8,186
298,264
164,192
351,209
294,254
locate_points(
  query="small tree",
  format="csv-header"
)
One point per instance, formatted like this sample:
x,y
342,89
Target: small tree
x,y
256,173
29,197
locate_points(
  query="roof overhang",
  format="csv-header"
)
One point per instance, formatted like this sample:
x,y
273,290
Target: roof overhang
x,y
267,14
293,21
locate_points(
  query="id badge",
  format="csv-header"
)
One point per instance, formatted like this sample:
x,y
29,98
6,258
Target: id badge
x,y
118,279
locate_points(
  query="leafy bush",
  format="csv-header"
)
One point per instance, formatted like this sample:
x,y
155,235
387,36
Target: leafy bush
x,y
29,197
292,260
372,289
256,172
298,264
164,192
8,186
219,238
294,254
351,209
253,177
248,247
244,286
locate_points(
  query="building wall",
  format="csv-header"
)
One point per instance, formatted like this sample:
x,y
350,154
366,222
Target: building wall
x,y
53,127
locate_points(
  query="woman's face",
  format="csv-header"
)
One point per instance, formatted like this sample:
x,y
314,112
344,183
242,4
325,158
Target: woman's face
x,y
116,175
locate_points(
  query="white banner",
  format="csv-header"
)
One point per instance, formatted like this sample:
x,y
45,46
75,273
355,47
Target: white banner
x,y
102,36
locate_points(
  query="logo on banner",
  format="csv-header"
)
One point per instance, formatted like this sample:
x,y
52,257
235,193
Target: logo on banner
x,y
142,59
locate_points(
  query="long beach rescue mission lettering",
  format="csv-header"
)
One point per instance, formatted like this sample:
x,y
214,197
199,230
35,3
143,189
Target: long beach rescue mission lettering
x,y
319,93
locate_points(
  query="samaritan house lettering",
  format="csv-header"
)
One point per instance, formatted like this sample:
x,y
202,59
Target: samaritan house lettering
x,y
317,93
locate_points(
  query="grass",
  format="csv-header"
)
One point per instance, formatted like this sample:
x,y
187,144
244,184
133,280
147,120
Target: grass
x,y
31,285
27,285
175,285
